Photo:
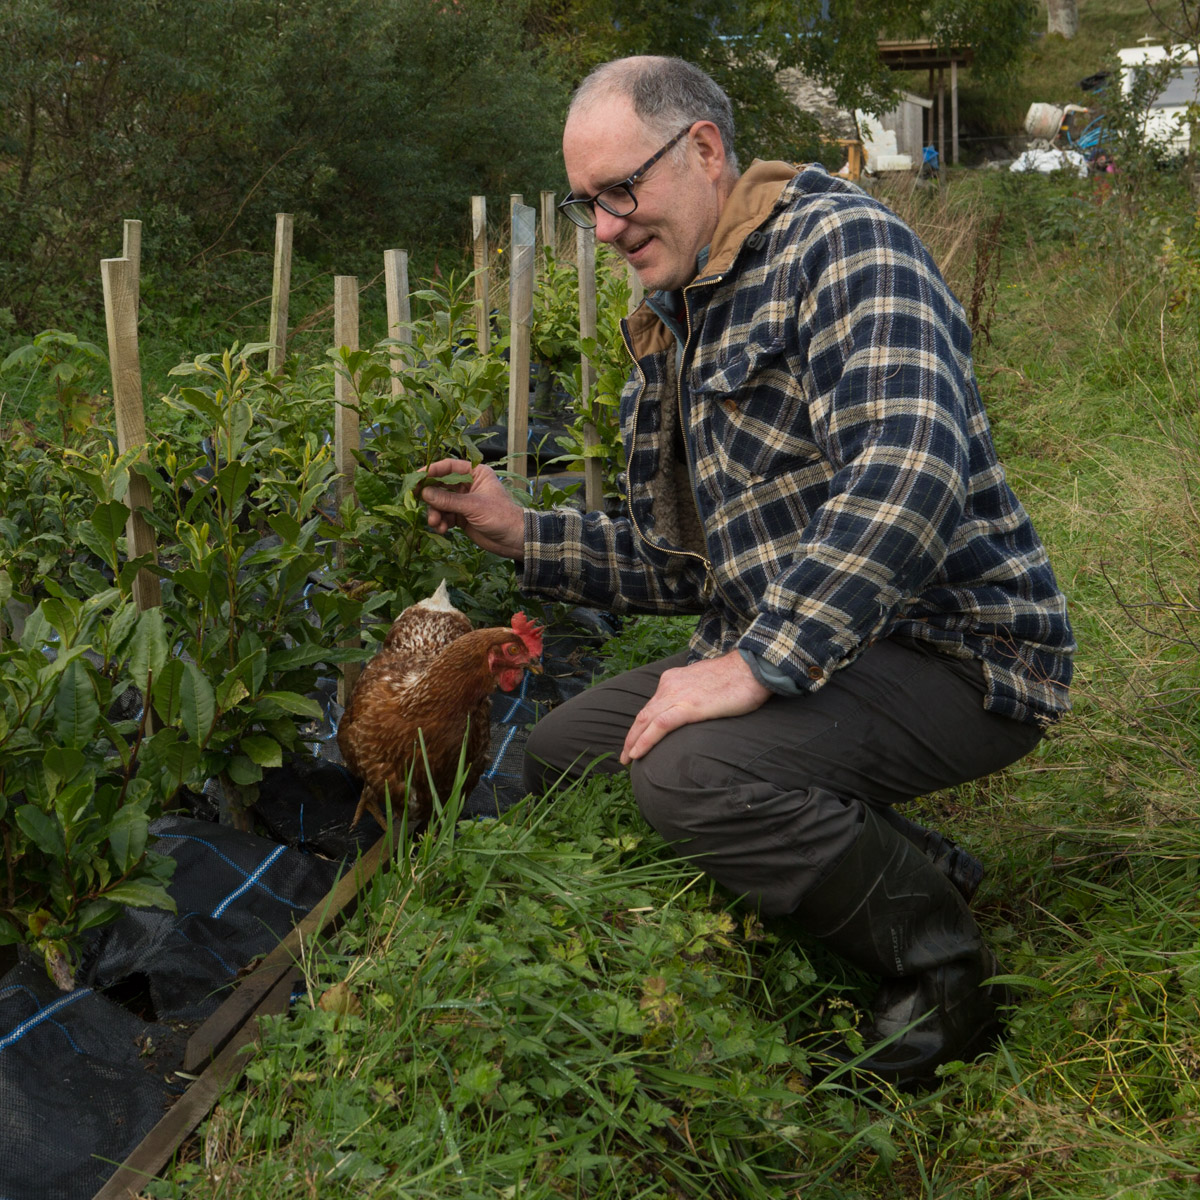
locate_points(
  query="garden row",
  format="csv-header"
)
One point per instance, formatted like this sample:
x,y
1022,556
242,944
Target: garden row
x,y
215,566
177,600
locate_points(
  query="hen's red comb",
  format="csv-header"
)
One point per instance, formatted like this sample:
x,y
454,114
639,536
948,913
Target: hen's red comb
x,y
529,633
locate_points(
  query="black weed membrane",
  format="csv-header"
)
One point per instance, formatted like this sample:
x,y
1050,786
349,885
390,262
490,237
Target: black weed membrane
x,y
74,1089
86,1074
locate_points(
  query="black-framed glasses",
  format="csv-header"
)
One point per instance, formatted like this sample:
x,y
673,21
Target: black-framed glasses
x,y
617,200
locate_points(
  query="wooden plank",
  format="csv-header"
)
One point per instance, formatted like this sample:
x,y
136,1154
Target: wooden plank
x,y
157,1148
215,1049
281,287
338,905
131,249
585,258
120,313
479,248
520,322
345,431
399,310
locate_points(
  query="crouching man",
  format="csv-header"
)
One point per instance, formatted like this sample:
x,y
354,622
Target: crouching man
x,y
811,472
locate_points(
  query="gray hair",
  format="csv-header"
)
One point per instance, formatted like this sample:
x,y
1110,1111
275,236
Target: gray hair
x,y
668,94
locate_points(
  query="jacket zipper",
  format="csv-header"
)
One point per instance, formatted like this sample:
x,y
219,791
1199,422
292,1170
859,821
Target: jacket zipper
x,y
710,577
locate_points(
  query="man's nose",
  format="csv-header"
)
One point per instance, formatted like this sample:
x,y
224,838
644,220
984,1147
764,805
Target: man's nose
x,y
608,227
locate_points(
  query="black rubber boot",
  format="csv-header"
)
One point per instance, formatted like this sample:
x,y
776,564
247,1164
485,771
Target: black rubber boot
x,y
963,870
888,909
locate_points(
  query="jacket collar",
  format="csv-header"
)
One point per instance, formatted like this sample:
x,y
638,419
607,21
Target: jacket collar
x,y
751,202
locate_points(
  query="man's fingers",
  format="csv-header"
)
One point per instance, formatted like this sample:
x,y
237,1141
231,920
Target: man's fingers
x,y
650,727
448,466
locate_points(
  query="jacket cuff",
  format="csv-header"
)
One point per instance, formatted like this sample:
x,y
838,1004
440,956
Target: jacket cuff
x,y
770,676
545,535
777,643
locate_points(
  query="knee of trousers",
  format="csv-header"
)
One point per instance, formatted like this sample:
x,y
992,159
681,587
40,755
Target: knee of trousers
x,y
761,840
704,804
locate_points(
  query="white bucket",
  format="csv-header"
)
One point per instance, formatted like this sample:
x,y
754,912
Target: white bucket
x,y
1043,121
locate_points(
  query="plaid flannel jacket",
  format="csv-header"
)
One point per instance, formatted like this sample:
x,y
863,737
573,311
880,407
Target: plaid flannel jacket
x,y
839,483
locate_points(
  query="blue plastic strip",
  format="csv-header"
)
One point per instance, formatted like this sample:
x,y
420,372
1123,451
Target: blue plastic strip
x,y
251,880
517,699
44,1014
494,770
187,837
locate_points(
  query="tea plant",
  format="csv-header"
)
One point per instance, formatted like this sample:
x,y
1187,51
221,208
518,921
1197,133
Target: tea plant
x,y
39,506
80,783
554,335
447,388
601,409
249,590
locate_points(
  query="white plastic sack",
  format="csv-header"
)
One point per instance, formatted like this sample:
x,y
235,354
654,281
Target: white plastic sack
x,y
1048,161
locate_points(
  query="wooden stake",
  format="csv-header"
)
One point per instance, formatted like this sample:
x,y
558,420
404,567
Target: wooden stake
x,y
585,257
399,310
132,250
636,291
119,277
479,243
549,213
515,201
954,111
941,114
520,321
281,286
345,431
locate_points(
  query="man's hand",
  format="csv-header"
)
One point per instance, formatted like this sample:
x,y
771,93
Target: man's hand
x,y
482,509
712,687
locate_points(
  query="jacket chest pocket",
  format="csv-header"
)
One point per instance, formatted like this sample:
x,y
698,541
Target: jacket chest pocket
x,y
750,414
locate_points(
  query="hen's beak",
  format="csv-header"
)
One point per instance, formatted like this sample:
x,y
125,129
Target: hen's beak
x,y
535,665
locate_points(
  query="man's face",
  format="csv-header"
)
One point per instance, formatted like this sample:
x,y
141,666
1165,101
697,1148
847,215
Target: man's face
x,y
677,203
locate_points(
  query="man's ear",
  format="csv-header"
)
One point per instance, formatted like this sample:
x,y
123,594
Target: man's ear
x,y
706,138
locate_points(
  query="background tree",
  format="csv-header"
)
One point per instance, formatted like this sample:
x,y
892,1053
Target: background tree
x,y
366,118
372,121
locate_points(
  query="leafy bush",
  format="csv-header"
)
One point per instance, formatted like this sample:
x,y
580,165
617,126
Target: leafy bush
x,y
79,783
447,387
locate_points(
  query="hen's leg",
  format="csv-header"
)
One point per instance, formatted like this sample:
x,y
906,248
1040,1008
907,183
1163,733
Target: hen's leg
x,y
369,802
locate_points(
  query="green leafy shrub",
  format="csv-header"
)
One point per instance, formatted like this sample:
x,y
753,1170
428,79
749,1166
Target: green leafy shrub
x,y
448,386
78,785
39,506
65,376
250,591
601,409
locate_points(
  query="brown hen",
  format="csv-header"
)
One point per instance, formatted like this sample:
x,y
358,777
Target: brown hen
x,y
430,682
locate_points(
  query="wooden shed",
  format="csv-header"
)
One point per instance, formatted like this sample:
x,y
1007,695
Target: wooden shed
x,y
937,60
